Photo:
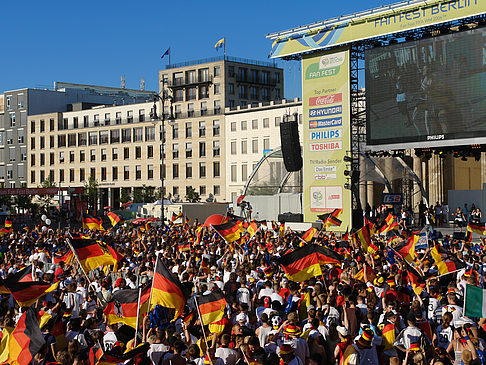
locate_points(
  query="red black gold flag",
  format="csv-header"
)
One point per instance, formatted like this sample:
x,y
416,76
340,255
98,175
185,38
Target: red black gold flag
x,y
363,238
114,218
309,234
184,246
66,258
274,226
199,234
390,224
26,293
407,251
346,235
253,228
230,231
26,339
476,228
446,262
415,278
211,307
91,254
22,275
122,308
90,222
8,225
167,290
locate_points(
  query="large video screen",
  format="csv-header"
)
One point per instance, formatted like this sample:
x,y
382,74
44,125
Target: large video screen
x,y
428,90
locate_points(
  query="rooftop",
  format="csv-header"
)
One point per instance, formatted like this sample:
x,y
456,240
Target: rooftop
x,y
221,58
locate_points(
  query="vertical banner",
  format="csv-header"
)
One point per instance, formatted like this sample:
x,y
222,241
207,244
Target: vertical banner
x,y
327,136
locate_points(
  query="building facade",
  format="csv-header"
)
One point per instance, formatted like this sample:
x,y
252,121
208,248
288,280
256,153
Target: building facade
x,y
195,141
17,105
251,132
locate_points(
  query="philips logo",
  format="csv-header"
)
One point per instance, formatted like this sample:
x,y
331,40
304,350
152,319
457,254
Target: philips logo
x,y
437,137
327,134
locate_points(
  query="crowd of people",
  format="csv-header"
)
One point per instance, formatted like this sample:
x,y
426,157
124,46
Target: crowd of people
x,y
363,311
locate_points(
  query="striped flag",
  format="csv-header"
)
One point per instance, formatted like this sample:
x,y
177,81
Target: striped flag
x,y
252,228
91,254
114,218
475,302
477,228
309,234
211,307
230,231
26,339
91,222
446,262
362,237
122,308
26,293
8,225
167,290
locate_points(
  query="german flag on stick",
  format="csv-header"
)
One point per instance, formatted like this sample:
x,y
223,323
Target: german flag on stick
x,y
91,254
26,293
415,278
471,227
230,231
122,308
309,234
114,218
90,222
253,228
167,290
445,261
26,339
211,307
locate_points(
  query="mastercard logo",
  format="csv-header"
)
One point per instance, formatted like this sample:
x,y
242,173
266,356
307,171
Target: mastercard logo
x,y
313,124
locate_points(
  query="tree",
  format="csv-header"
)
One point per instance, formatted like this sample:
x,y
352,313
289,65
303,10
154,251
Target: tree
x,y
148,194
138,195
45,201
91,191
24,202
192,195
125,195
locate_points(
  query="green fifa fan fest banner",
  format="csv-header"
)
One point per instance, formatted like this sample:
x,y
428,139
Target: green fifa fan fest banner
x,y
378,22
327,136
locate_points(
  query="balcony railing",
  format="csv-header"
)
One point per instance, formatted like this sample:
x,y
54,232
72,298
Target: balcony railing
x,y
189,81
257,80
198,113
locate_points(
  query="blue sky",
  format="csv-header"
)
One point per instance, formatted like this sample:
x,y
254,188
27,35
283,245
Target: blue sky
x,y
95,42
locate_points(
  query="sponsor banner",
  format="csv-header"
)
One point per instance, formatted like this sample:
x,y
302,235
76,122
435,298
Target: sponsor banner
x,y
39,191
326,134
370,24
389,198
325,123
324,149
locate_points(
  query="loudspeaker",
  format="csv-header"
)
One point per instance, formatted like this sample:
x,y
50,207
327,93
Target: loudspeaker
x,y
290,217
291,151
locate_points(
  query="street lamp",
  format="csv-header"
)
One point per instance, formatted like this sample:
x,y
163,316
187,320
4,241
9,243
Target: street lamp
x,y
170,118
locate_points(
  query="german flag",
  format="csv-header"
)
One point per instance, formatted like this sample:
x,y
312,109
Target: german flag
x,y
477,228
274,226
388,334
415,278
187,319
211,307
167,290
199,233
184,247
8,225
327,256
370,274
176,216
468,236
26,293
90,222
58,332
230,231
218,327
26,339
281,230
95,354
346,235
114,218
5,336
122,308
252,228
301,264
309,234
445,261
91,254
22,275
407,251
362,237
66,258
390,223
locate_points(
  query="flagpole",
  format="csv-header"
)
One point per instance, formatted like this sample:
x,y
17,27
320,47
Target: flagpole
x,y
224,48
153,279
452,272
77,258
138,315
202,327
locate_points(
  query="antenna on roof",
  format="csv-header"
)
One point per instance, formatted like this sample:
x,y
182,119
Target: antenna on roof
x,y
123,81
142,84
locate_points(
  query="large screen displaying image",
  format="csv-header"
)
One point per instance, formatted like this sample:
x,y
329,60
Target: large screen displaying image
x,y
428,90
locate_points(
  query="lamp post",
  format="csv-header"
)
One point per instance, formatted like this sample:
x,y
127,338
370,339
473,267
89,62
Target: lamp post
x,y
170,118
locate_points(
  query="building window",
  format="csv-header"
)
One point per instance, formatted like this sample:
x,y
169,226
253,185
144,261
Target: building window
x,y
92,172
118,118
277,94
51,142
216,169
126,172
202,190
126,153
179,95
217,89
216,149
51,158
114,173
126,135
9,102
103,137
217,71
233,147
242,92
75,122
266,144
204,108
32,177
244,172
244,147
188,130
277,121
188,150
82,139
204,74
175,190
150,151
217,107
138,134
130,116
175,171
266,123
51,175
202,169
138,172
231,89
253,93
42,142
188,170
202,129
149,134
32,126
81,175
141,115
254,146
103,174
233,173
107,118
216,190
175,131
254,124
115,136
216,128
244,126
175,150
93,138
92,155
71,156
265,94
191,93
61,175
85,124
103,154
96,120
202,149
71,175
12,119
114,154
32,160
82,156
138,152
61,157
72,140
150,172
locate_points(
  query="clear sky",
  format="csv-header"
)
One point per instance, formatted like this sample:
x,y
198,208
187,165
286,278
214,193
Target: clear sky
x,y
95,42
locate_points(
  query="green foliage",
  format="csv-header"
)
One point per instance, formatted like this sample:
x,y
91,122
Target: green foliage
x,y
91,192
45,201
125,195
192,195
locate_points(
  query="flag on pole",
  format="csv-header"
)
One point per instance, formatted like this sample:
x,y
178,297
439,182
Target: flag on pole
x,y
475,302
166,53
123,306
309,234
219,44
